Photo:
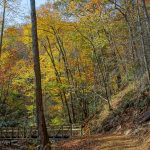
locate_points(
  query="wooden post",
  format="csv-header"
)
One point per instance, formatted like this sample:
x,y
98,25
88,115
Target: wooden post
x,y
71,130
24,132
12,132
30,134
53,146
0,132
81,131
18,132
6,132
62,131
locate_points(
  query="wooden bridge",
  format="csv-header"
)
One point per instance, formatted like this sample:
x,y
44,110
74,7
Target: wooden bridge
x,y
63,131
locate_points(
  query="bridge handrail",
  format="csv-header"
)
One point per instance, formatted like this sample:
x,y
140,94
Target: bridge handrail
x,y
27,132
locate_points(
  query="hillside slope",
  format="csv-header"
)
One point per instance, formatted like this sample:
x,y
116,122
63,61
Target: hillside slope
x,y
131,109
127,127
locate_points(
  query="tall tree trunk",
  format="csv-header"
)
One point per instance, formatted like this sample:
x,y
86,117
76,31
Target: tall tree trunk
x,y
2,27
67,71
97,65
146,14
147,33
38,91
142,43
58,79
115,59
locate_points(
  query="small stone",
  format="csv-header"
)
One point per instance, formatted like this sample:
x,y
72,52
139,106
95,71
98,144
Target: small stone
x,y
24,147
127,132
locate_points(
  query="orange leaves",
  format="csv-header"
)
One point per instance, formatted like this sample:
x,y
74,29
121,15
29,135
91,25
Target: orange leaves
x,y
6,65
55,108
147,1
94,6
11,31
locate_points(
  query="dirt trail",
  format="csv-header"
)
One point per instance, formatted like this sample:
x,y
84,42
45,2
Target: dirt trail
x,y
106,143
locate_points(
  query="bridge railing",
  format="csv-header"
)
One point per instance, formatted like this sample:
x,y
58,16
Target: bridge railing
x,y
71,130
65,130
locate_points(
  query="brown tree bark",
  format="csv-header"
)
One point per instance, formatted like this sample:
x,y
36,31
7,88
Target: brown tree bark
x,y
146,13
2,27
143,50
43,135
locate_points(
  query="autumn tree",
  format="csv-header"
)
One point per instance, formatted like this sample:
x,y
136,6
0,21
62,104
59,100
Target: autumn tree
x,y
41,124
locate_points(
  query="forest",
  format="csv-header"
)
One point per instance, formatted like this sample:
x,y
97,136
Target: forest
x,y
75,63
